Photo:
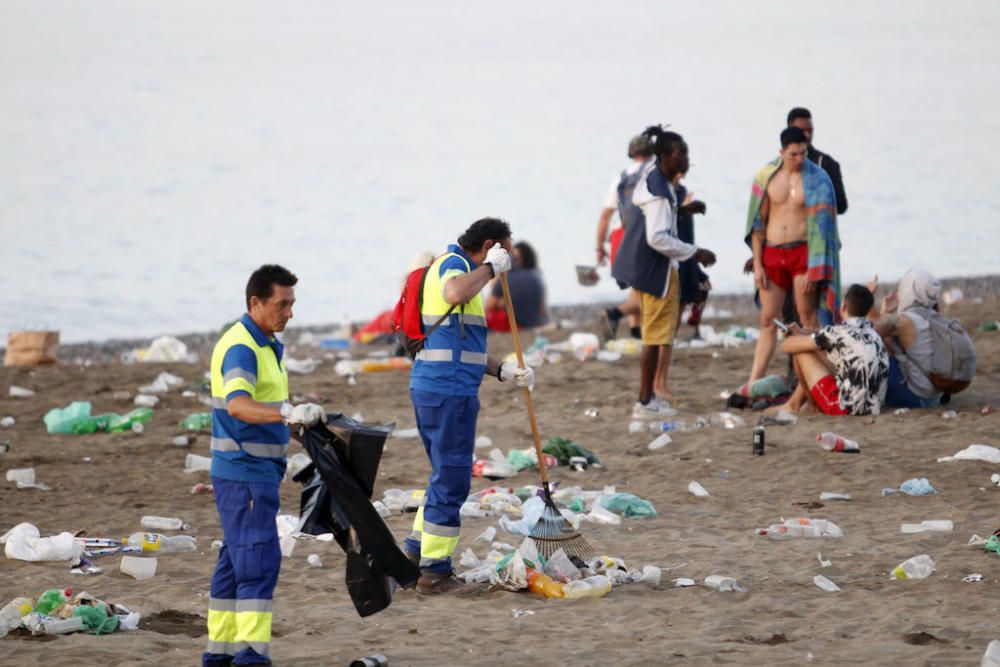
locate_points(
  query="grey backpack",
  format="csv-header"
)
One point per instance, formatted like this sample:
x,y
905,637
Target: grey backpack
x,y
954,362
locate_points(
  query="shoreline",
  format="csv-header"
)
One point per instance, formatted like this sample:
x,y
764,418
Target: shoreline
x,y
580,315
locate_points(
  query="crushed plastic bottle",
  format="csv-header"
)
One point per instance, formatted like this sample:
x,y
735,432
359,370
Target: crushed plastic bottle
x,y
161,522
918,567
668,426
832,442
542,584
197,421
720,582
727,420
492,469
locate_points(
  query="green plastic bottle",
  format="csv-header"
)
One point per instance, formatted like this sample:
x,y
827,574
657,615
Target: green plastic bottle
x,y
50,599
197,421
125,422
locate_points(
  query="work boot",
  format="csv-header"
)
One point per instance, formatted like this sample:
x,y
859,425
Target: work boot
x,y
437,583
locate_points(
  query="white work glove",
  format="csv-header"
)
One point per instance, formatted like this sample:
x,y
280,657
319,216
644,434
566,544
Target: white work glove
x,y
499,258
522,377
304,414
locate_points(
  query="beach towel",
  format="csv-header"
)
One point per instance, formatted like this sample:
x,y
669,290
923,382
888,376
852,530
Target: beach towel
x,y
821,225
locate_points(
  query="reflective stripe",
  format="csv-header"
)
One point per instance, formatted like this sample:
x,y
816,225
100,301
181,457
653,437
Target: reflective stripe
x,y
219,403
253,605
262,648
272,404
224,445
221,604
418,522
474,320
431,320
416,535
441,531
265,451
467,357
239,373
223,648
434,355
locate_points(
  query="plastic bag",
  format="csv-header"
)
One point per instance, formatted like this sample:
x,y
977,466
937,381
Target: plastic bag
x,y
564,450
628,505
96,619
561,568
533,509
24,542
62,420
512,573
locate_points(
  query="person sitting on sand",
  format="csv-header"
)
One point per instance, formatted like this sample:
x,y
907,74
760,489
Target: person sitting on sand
x,y
527,292
792,229
907,335
851,377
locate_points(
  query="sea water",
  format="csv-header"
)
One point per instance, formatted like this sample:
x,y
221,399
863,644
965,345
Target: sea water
x,y
156,153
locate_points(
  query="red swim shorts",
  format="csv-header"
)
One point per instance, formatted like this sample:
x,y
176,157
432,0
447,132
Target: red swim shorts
x,y
782,264
827,396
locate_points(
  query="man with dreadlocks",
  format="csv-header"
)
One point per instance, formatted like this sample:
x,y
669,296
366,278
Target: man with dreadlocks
x,y
650,254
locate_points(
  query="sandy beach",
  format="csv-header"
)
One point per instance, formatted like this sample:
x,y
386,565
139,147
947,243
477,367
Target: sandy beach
x,y
103,483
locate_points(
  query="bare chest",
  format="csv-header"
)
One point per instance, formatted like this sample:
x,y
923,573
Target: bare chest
x,y
786,189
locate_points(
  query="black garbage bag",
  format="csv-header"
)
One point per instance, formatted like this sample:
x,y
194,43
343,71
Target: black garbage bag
x,y
336,498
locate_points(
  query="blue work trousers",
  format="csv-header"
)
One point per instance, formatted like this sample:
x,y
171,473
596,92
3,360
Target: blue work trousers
x,y
447,426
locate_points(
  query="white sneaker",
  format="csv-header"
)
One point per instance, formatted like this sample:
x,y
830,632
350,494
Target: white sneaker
x,y
663,406
649,411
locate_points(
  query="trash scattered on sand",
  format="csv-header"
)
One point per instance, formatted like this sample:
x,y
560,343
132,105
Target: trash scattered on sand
x,y
138,567
20,392
829,495
801,527
722,583
825,584
918,567
7,422
24,478
165,349
918,486
928,526
24,542
974,453
314,560
697,489
972,578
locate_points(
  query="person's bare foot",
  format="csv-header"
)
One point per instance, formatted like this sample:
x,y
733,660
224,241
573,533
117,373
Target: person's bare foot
x,y
775,409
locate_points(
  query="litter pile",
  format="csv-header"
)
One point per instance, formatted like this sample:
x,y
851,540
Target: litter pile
x,y
60,612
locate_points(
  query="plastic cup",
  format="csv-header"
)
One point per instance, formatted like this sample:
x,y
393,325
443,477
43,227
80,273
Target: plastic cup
x,y
138,568
21,475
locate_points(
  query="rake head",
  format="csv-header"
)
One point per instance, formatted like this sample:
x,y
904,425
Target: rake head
x,y
553,532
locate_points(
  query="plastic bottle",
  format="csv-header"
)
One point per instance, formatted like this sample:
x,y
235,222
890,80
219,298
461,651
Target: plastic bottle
x,y
918,567
51,599
931,525
10,616
667,426
197,421
832,442
161,522
377,660
492,469
147,542
146,400
591,587
542,584
129,420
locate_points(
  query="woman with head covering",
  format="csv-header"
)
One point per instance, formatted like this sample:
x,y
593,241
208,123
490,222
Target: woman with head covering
x,y
905,328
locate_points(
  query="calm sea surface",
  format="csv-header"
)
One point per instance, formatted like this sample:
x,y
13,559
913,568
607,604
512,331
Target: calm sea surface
x,y
154,153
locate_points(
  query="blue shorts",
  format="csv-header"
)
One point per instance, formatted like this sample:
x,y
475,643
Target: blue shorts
x,y
898,395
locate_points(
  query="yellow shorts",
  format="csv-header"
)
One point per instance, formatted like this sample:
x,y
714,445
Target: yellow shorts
x,y
660,315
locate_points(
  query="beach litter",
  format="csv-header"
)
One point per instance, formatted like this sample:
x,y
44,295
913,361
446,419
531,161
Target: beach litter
x,y
829,495
972,578
197,463
197,421
302,366
918,567
801,527
20,392
628,505
832,442
76,418
928,526
918,486
992,656
24,542
405,433
165,349
7,422
723,583
146,400
825,584
138,567
949,414
660,441
60,612
974,453
564,450
24,478
162,384
697,489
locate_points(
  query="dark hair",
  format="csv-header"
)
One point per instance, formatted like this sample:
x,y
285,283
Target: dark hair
x,y
662,141
529,260
798,112
792,135
481,231
638,147
263,280
858,300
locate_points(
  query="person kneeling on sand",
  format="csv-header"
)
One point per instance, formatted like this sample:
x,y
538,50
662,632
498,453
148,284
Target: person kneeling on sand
x,y
843,369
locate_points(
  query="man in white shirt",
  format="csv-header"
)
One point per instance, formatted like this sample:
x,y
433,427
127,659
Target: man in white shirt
x,y
649,255
621,187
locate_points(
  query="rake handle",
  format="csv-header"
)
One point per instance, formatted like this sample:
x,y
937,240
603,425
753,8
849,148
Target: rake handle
x,y
509,305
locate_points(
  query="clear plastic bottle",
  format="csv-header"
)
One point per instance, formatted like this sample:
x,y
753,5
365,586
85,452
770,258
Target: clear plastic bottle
x,y
492,469
591,587
668,426
161,522
918,567
161,543
832,442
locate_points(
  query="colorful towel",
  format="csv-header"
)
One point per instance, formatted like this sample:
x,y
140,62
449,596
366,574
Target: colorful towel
x,y
821,225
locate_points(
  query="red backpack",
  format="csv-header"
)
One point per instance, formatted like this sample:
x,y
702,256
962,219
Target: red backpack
x,y
407,322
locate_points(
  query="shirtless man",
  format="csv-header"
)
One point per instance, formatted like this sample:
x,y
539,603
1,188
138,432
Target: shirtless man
x,y
780,250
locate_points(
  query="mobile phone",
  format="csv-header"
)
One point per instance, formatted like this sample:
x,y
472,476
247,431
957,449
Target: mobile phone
x,y
781,325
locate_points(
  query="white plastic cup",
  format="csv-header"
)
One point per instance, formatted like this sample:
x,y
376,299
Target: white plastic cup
x,y
698,490
21,475
195,463
138,568
146,400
